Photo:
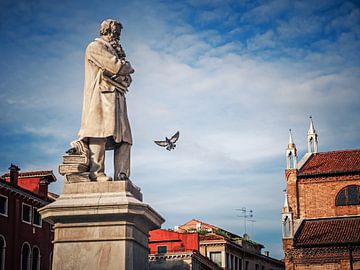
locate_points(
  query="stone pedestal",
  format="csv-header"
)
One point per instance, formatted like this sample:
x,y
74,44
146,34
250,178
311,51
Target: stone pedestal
x,y
101,225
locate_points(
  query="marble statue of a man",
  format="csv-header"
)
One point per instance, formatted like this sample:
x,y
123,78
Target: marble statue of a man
x,y
105,124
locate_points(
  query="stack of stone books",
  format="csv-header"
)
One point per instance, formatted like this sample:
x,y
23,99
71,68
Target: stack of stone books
x,y
75,168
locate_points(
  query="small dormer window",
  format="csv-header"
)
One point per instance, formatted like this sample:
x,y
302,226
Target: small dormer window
x,y
349,195
162,249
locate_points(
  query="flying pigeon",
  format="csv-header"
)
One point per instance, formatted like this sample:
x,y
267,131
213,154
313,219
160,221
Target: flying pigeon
x,y
169,143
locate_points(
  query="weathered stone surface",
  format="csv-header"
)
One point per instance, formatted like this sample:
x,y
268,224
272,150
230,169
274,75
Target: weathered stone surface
x,y
77,177
75,159
105,124
101,225
72,168
104,187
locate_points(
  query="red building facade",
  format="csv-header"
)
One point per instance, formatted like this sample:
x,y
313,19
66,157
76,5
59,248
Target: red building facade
x,y
204,246
175,250
164,241
25,239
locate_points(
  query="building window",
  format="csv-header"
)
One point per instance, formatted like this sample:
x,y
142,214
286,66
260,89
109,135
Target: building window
x,y
216,257
25,257
2,252
3,205
246,265
36,218
349,195
35,260
162,249
256,267
26,213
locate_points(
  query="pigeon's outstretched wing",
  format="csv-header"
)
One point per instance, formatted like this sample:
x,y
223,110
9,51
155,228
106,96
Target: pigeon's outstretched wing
x,y
174,138
161,143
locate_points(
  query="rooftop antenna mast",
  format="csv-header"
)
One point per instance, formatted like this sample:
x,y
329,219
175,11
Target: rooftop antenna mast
x,y
252,227
245,213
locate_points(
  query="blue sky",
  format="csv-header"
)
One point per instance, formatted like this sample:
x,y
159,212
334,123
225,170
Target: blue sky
x,y
231,76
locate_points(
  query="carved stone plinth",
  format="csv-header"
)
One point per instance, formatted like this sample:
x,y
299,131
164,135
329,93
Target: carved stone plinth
x,y
101,225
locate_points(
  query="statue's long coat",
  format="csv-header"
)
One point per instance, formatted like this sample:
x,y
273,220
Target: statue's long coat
x,y
104,107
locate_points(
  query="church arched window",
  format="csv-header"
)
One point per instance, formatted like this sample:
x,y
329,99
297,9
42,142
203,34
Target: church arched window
x,y
25,257
35,261
349,195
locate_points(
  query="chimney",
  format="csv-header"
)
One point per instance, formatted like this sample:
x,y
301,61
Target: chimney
x,y
14,174
267,253
43,188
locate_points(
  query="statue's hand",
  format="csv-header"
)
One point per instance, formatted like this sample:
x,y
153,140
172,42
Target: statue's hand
x,y
126,69
128,80
125,81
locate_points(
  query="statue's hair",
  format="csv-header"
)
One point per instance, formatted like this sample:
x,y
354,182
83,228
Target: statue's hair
x,y
105,26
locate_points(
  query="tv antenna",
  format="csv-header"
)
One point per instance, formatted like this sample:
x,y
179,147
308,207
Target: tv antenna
x,y
245,213
252,226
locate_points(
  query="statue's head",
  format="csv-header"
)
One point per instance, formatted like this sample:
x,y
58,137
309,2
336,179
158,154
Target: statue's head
x,y
111,28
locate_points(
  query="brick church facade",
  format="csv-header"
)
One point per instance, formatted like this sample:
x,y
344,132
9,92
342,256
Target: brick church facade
x,y
321,213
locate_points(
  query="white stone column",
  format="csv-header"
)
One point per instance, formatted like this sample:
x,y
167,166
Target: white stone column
x,y
223,258
101,225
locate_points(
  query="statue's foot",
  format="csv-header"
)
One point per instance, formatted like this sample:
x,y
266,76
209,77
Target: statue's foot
x,y
101,178
122,177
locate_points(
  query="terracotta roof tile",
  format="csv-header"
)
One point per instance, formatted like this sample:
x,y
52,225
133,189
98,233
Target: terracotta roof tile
x,y
193,222
211,237
332,162
331,231
33,174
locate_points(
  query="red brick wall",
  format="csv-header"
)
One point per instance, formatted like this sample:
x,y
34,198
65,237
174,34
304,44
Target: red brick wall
x,y
343,265
292,190
317,196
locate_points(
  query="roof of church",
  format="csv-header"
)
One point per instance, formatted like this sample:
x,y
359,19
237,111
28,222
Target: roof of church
x,y
332,162
329,231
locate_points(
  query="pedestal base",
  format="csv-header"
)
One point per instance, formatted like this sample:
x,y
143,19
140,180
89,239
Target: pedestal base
x,y
101,225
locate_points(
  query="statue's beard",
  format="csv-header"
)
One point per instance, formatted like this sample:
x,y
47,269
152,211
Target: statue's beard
x,y
114,39
115,43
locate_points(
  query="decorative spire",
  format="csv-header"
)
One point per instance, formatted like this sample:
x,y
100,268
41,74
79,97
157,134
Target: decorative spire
x,y
287,219
291,153
291,143
312,138
311,129
286,202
